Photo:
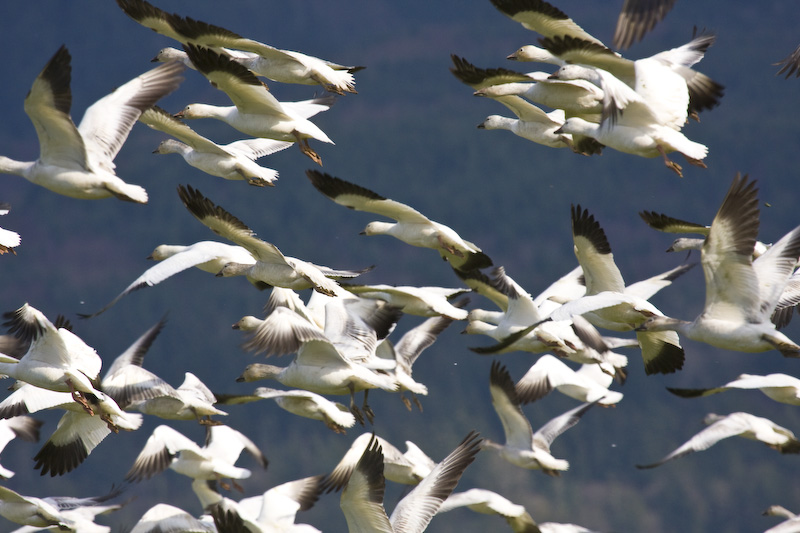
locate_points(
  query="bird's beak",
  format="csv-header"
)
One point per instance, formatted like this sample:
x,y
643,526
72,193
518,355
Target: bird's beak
x,y
512,57
179,114
559,131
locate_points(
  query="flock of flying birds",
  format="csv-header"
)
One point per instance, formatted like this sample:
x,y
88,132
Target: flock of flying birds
x,y
342,335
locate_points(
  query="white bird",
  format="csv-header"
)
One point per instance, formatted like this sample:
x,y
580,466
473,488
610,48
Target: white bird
x,y
523,447
353,325
668,224
587,384
305,403
271,266
64,513
273,511
780,387
735,424
234,161
23,427
57,359
78,161
407,350
531,122
791,524
164,517
167,448
319,367
208,256
610,304
635,134
284,66
410,226
524,326
8,239
362,497
256,111
566,42
790,296
489,502
741,293
419,301
657,86
408,468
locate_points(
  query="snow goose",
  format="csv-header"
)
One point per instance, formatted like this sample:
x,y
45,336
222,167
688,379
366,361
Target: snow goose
x,y
362,497
78,433
31,511
56,360
780,387
8,239
741,293
574,97
790,296
523,326
167,448
588,384
523,447
137,389
668,224
410,226
23,427
284,66
353,326
78,161
489,502
320,367
208,256
165,517
791,524
303,403
620,307
531,122
741,424
418,301
256,111
408,468
271,266
408,349
633,135
274,510
65,513
647,75
234,161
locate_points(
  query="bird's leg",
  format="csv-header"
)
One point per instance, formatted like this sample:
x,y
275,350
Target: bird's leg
x,y
306,149
237,486
416,401
208,421
336,428
695,162
366,408
405,401
110,423
78,397
353,407
670,164
449,248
